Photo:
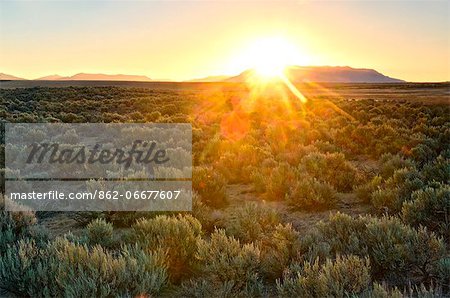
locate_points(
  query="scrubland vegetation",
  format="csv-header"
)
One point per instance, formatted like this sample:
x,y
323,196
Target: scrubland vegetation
x,y
373,175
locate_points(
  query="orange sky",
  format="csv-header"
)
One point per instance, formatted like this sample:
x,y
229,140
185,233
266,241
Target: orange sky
x,y
184,40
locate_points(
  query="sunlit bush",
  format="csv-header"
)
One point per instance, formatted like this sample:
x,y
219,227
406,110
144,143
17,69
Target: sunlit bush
x,y
278,250
397,189
365,191
278,181
437,171
210,185
431,208
15,226
178,236
64,269
236,161
250,221
203,213
394,249
382,291
331,168
223,259
390,163
346,276
100,232
310,194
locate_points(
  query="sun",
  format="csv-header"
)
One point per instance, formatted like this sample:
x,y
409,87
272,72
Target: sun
x,y
269,56
269,70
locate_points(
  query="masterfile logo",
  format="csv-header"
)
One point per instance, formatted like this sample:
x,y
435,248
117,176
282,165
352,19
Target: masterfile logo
x,y
98,167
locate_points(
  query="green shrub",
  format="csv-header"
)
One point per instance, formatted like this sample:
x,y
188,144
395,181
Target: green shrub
x,y
390,163
100,232
260,175
443,273
278,181
431,208
177,235
394,249
310,194
236,161
312,245
331,168
64,269
381,291
396,190
205,288
202,213
438,170
15,226
251,221
223,259
278,250
346,276
365,191
386,200
423,153
210,185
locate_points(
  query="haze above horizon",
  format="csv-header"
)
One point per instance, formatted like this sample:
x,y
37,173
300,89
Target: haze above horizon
x,y
193,39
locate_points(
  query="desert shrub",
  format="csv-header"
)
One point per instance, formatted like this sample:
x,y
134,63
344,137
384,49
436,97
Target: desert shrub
x,y
278,250
438,170
365,191
202,213
210,185
85,217
236,161
64,269
443,273
430,207
260,176
390,163
311,194
178,235
331,168
326,147
312,246
423,153
295,153
421,290
122,219
386,200
382,291
396,190
278,181
346,276
402,251
15,226
394,249
223,259
250,221
100,232
205,288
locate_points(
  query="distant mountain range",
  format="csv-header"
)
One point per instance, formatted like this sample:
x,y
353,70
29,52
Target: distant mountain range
x,y
296,74
326,74
7,77
84,77
97,77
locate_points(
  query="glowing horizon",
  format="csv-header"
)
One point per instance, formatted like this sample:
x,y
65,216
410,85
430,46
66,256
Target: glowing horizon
x,y
182,41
